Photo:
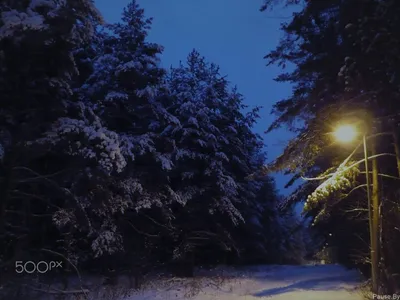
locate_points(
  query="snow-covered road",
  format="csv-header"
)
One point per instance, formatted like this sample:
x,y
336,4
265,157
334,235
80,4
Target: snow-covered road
x,y
323,282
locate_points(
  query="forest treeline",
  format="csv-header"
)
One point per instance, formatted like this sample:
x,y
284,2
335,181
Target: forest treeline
x,y
346,58
110,162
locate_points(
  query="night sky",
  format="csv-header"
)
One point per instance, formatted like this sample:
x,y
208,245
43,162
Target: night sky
x,y
231,33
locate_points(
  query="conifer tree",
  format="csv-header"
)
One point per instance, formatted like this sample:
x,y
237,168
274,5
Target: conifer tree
x,y
37,41
346,70
119,118
216,152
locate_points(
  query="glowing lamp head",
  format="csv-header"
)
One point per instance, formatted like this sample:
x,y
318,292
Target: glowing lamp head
x,y
345,133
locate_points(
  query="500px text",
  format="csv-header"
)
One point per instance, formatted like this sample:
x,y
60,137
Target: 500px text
x,y
39,267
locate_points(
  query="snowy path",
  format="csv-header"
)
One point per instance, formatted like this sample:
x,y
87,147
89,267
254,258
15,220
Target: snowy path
x,y
324,282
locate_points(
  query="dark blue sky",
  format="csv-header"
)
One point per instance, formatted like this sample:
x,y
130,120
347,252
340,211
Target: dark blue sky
x,y
231,33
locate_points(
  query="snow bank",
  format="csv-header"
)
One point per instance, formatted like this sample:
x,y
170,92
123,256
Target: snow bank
x,y
327,282
318,282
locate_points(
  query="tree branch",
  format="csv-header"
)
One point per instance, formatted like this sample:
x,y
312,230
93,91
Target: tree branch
x,y
349,167
383,175
139,231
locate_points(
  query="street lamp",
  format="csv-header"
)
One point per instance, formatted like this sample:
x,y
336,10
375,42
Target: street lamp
x,y
346,134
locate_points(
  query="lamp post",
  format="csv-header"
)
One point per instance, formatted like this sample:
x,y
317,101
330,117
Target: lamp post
x,y
345,134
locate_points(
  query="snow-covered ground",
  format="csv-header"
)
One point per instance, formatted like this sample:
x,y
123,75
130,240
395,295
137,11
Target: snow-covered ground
x,y
321,282
308,282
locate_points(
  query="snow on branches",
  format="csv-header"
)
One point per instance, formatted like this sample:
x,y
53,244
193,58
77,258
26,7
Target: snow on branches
x,y
342,179
108,241
37,13
89,141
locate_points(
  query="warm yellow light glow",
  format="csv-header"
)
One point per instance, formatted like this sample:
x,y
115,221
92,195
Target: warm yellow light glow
x,y
345,133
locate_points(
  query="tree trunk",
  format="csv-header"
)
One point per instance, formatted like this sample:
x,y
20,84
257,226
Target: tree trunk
x,y
375,222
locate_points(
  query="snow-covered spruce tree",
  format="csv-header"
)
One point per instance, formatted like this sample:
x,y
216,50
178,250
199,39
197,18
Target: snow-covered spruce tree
x,y
124,90
216,151
37,40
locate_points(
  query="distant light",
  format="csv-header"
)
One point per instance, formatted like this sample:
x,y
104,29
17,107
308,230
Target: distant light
x,y
330,234
345,133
